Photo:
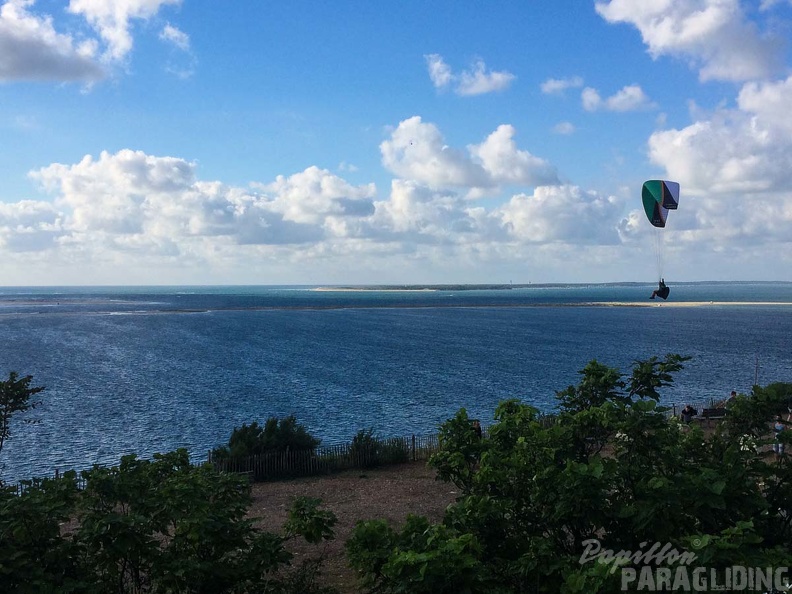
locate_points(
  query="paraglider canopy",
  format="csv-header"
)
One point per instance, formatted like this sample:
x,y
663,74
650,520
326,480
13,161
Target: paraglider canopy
x,y
659,196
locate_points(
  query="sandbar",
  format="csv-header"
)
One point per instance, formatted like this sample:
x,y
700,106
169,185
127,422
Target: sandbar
x,y
365,290
686,303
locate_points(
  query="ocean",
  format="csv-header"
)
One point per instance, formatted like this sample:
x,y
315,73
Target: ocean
x,y
151,369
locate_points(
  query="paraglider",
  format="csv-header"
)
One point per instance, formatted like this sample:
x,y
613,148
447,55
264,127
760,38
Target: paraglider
x,y
659,197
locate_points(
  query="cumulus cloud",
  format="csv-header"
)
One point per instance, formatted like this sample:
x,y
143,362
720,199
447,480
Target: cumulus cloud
x,y
29,226
416,150
715,36
112,20
31,48
129,206
135,200
562,214
733,167
130,210
556,86
629,98
748,149
476,81
507,165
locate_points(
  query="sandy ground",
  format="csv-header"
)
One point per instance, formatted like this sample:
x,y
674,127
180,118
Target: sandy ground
x,y
655,303
389,493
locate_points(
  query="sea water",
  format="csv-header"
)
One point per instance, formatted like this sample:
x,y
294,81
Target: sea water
x,y
151,369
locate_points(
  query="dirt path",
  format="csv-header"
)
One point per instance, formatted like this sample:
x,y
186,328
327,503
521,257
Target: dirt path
x,y
390,493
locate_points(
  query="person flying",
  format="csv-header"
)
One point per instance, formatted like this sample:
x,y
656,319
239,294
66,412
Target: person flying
x,y
662,291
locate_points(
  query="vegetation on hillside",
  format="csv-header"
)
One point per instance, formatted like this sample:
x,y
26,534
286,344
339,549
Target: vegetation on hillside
x,y
546,504
612,472
162,525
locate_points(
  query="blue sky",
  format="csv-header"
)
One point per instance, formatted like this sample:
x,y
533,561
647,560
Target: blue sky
x,y
249,142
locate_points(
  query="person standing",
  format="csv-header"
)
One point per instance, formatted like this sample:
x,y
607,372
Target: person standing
x,y
778,427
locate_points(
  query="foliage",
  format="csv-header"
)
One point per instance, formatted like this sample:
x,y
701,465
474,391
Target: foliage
x,y
15,393
612,468
275,436
422,558
368,451
150,526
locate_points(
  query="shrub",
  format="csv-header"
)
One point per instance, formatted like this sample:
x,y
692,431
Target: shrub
x,y
274,437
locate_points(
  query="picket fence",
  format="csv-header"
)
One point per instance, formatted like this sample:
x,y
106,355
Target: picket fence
x,y
329,459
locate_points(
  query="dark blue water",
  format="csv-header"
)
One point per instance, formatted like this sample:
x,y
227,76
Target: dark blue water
x,y
147,370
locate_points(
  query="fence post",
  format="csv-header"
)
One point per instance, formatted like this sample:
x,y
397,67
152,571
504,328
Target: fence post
x,y
413,447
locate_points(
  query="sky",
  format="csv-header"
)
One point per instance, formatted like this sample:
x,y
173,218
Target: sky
x,y
170,142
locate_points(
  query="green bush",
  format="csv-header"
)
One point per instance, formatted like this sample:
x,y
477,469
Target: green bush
x,y
275,436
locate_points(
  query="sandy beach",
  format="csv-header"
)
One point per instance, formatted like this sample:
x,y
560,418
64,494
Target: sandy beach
x,y
686,303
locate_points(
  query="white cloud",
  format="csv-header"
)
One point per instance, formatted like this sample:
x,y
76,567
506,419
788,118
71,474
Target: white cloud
x,y
629,98
556,86
733,167
439,71
173,35
29,226
476,81
314,194
507,165
129,211
715,36
748,149
564,128
129,208
112,20
562,214
31,48
417,151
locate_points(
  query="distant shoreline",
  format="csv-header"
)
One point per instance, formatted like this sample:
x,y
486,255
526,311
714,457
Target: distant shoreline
x,y
370,290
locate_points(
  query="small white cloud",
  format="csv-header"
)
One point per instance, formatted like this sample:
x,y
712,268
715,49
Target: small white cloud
x,y
476,81
556,86
629,98
565,128
173,35
439,71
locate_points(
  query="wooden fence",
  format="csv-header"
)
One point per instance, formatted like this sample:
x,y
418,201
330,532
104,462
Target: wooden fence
x,y
329,459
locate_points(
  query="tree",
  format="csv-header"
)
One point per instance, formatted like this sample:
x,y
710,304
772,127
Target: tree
x,y
160,525
15,393
277,435
611,468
